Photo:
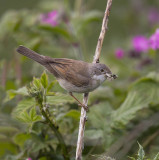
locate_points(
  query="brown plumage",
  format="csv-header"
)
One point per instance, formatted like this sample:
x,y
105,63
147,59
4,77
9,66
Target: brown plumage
x,y
60,67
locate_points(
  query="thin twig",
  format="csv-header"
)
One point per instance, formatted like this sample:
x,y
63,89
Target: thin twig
x,y
102,33
83,117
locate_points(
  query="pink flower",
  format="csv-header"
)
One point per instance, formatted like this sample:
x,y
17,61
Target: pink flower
x,y
119,53
154,40
50,18
153,16
29,158
140,43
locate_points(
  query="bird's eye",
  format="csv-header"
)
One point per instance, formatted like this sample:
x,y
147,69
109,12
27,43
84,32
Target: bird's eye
x,y
102,70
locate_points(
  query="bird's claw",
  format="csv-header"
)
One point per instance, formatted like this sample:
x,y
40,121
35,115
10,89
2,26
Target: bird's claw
x,y
85,107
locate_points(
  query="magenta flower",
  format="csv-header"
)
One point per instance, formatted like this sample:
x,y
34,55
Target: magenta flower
x,y
154,40
50,18
140,43
153,16
119,53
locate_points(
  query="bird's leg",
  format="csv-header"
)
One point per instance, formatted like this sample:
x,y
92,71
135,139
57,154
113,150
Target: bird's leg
x,y
82,105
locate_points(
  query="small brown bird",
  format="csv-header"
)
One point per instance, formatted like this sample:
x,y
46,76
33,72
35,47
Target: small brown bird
x,y
72,75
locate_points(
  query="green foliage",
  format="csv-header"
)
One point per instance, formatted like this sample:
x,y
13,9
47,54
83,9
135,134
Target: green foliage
x,y
12,93
141,94
121,112
141,155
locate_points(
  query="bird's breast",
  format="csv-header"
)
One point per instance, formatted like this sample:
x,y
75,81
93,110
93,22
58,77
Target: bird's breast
x,y
72,88
95,82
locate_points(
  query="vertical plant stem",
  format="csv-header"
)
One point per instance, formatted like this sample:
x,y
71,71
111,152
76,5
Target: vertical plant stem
x,y
80,141
56,131
78,4
4,74
18,70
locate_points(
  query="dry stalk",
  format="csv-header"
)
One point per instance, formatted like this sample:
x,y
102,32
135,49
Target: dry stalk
x,y
83,117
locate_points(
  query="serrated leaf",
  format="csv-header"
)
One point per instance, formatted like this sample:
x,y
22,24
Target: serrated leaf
x,y
33,115
30,117
156,157
141,153
23,106
24,117
142,93
44,80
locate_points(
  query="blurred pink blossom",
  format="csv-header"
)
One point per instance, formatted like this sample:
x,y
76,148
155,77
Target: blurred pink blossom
x,y
119,53
29,158
154,40
153,16
50,18
140,43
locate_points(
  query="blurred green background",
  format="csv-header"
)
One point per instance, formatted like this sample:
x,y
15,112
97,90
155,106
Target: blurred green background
x,y
122,112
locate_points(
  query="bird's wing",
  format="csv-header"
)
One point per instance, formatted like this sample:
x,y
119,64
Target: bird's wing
x,y
67,69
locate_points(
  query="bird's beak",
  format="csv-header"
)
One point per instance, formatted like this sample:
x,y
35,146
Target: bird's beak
x,y
111,76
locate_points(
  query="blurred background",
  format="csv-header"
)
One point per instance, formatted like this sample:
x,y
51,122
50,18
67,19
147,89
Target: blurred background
x,y
122,112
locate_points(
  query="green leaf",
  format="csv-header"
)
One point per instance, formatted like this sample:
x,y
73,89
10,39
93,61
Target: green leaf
x,y
142,93
156,157
32,113
33,116
8,146
44,80
30,117
73,114
23,106
141,153
51,85
24,117
36,83
12,93
20,138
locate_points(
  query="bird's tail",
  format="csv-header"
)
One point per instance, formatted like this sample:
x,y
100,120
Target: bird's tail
x,y
31,54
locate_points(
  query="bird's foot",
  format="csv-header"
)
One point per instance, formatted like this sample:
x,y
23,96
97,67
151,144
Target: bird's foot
x,y
84,106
